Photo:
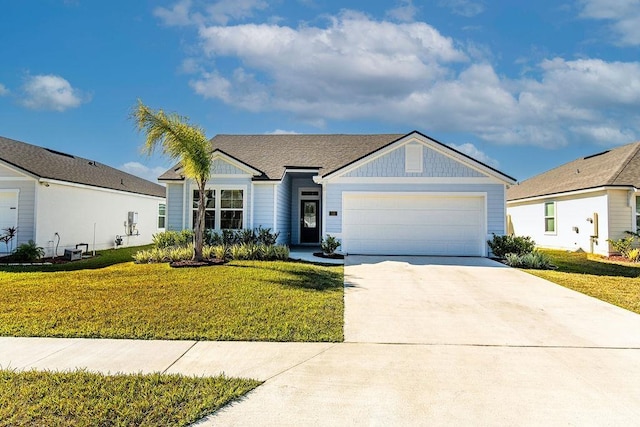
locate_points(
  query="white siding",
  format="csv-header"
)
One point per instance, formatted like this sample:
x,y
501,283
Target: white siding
x,y
528,220
174,207
71,211
7,172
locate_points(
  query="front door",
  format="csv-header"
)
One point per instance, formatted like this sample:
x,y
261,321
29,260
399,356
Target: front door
x,y
309,221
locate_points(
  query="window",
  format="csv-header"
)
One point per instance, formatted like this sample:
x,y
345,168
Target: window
x,y
413,158
162,215
231,209
209,210
224,209
550,217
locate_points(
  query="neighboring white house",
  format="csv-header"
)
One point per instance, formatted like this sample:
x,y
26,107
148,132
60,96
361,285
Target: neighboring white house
x,y
581,204
59,201
379,194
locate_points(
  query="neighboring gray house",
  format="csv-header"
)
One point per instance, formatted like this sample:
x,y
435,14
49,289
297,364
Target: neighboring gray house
x,y
581,204
60,200
379,194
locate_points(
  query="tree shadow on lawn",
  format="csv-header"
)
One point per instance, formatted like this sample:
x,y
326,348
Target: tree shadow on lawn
x,y
580,263
306,278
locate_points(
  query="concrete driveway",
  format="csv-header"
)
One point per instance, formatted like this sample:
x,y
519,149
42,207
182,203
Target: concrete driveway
x,y
458,341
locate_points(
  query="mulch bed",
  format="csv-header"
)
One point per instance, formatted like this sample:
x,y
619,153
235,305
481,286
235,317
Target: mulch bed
x,y
332,256
192,263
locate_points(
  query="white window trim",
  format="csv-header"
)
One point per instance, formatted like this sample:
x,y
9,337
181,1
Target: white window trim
x,y
162,216
555,218
218,194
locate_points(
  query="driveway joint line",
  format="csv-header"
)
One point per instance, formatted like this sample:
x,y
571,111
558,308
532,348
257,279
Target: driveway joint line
x,y
588,347
303,361
180,357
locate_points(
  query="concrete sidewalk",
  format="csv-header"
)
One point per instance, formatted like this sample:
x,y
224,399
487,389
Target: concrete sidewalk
x,y
257,360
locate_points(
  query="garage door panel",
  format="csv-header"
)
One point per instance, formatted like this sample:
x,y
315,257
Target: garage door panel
x,y
415,224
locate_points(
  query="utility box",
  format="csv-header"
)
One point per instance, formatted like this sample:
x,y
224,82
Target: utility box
x,y
132,218
73,254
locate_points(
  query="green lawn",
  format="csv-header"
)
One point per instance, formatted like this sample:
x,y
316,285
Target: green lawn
x,y
87,399
616,283
243,300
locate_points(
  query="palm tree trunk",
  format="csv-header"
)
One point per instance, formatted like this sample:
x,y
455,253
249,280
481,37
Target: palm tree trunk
x,y
199,229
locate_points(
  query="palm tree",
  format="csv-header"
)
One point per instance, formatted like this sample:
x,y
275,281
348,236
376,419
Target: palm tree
x,y
184,143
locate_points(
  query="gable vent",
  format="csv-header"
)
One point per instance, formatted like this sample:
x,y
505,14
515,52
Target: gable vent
x,y
413,158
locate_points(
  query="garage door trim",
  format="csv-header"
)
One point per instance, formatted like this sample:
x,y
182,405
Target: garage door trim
x,y
482,247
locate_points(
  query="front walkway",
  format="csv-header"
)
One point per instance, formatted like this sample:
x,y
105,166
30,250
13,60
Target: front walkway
x,y
305,253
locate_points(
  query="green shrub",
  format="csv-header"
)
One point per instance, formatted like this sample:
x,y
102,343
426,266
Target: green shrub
x,y
503,245
329,245
535,260
634,255
243,251
167,239
28,252
220,251
264,236
623,246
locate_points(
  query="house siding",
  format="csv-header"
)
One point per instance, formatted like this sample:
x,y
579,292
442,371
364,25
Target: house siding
x,y
571,211
263,205
435,164
80,214
220,167
621,215
6,172
494,199
283,217
175,208
26,208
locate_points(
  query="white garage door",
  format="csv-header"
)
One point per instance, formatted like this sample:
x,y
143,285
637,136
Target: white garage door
x,y
413,224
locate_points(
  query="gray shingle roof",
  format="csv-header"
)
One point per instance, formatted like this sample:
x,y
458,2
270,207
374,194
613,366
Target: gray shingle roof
x,y
51,164
617,167
272,154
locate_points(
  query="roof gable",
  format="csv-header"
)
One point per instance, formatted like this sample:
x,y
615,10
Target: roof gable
x,y
439,160
617,167
45,163
273,155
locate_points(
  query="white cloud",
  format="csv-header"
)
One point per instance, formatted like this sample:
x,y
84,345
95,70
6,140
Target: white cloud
x,y
409,73
405,12
221,12
624,16
50,92
472,151
467,8
3,90
142,171
282,132
178,15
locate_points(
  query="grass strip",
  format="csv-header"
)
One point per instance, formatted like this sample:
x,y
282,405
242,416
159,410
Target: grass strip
x,y
81,398
613,282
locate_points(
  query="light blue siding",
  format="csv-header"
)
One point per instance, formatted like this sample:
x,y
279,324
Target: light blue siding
x,y
263,205
434,165
283,219
495,200
175,210
223,168
26,209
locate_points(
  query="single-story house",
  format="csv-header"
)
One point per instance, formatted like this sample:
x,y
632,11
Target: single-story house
x,y
60,200
379,194
581,204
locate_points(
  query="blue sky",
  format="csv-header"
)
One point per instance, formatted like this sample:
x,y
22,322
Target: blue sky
x,y
523,86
